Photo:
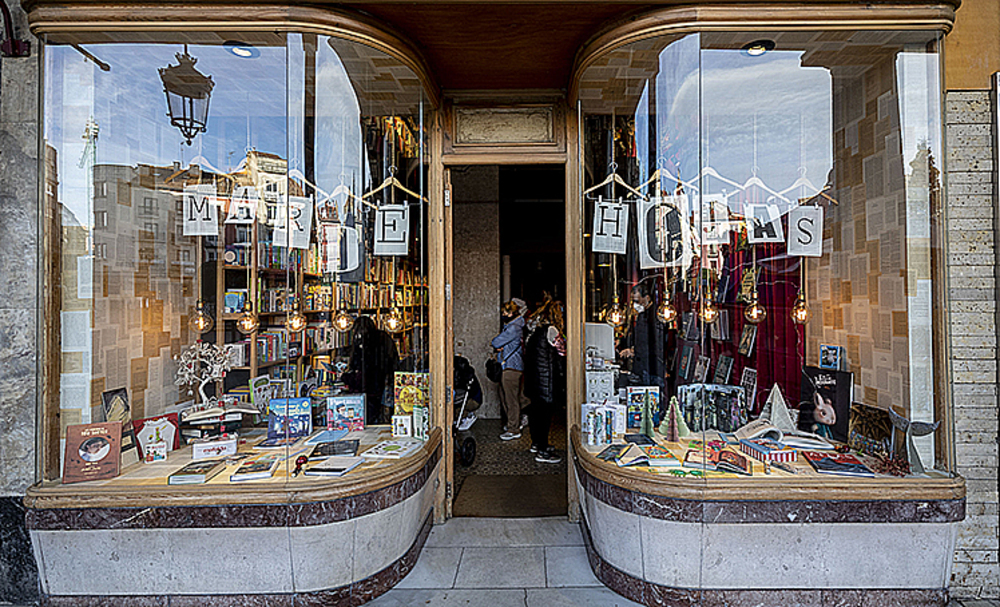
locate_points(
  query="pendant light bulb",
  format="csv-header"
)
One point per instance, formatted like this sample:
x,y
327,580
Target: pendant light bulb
x,y
201,322
248,321
754,312
296,321
709,312
343,321
615,316
800,311
667,313
394,322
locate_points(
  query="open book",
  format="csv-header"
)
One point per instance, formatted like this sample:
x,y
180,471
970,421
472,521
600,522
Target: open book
x,y
762,428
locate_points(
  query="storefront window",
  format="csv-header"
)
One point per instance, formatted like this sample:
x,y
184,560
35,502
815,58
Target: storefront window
x,y
236,247
762,229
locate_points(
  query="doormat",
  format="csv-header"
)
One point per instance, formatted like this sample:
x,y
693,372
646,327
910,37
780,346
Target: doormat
x,y
512,496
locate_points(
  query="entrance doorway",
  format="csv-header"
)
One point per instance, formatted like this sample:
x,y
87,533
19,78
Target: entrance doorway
x,y
508,227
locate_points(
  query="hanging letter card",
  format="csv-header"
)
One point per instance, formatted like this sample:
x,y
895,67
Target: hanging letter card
x,y
392,229
662,232
714,219
610,226
200,215
764,224
341,248
294,223
243,206
805,232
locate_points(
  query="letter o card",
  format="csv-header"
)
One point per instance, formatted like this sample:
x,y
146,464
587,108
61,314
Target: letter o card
x,y
805,232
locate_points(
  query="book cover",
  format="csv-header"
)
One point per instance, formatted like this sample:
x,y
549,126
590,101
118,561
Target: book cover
x,y
334,466
346,412
686,365
839,464
197,473
421,423
660,456
748,382
339,448
639,439
402,426
260,393
277,442
723,369
117,409
327,436
870,430
611,452
690,330
701,459
163,428
747,339
825,405
632,455
830,357
636,404
728,460
410,390
393,449
701,369
93,452
255,468
289,417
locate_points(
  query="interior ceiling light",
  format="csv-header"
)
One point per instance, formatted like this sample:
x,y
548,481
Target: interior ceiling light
x,y
758,47
242,49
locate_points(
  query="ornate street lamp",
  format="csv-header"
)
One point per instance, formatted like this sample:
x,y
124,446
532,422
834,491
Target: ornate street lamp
x,y
188,92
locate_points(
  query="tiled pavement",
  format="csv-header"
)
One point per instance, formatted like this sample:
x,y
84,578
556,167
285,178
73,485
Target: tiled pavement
x,y
512,563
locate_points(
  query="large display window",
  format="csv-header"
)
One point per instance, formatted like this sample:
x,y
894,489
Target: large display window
x,y
237,261
763,241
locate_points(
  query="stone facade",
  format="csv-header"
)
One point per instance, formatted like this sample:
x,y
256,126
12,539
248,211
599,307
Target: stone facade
x,y
972,285
18,304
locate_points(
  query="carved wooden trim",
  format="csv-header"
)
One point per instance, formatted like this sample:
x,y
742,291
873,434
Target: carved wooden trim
x,y
46,18
932,16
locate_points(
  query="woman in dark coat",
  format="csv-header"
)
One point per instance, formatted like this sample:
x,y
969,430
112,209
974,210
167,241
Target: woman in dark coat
x,y
545,377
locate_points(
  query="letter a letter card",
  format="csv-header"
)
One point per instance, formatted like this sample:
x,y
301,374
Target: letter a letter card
x,y
243,206
764,224
610,226
200,215
805,232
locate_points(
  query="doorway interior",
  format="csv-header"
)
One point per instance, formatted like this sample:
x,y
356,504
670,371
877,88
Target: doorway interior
x,y
508,241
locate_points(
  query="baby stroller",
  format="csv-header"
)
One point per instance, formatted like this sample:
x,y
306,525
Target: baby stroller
x,y
468,398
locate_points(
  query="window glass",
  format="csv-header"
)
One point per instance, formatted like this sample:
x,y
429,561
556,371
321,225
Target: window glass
x,y
236,243
762,241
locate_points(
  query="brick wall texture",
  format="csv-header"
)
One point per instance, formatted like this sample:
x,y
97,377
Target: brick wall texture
x,y
972,293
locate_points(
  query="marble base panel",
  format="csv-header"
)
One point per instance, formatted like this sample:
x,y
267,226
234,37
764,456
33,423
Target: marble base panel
x,y
18,572
326,564
659,562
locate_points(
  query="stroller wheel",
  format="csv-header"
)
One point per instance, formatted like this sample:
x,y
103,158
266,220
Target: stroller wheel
x,y
467,451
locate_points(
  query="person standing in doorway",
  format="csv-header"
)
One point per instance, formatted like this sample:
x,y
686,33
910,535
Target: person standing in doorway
x,y
645,343
545,377
509,346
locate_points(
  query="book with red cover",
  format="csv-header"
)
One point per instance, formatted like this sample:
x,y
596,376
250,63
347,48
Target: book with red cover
x,y
841,464
165,428
93,452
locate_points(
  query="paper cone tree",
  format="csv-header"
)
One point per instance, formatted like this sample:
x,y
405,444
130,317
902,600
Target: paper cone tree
x,y
776,411
673,428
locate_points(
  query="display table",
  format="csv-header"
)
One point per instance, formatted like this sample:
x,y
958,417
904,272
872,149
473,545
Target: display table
x,y
307,540
773,540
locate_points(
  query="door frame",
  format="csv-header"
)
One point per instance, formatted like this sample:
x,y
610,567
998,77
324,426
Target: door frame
x,y
565,127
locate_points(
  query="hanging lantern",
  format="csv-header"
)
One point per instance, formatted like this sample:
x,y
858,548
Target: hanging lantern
x,y
394,322
296,321
709,312
754,312
188,93
667,313
201,322
248,321
343,321
614,315
800,311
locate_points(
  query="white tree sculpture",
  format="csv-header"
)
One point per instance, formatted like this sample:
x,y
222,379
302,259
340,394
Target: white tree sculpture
x,y
200,364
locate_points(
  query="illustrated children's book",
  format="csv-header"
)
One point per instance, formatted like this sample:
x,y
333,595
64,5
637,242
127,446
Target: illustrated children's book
x,y
393,449
402,426
840,464
421,423
345,412
197,473
93,452
871,430
340,447
826,399
411,390
289,418
334,466
161,429
256,468
831,357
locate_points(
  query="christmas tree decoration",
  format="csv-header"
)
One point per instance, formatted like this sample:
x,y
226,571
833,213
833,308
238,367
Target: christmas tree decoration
x,y
777,412
673,427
